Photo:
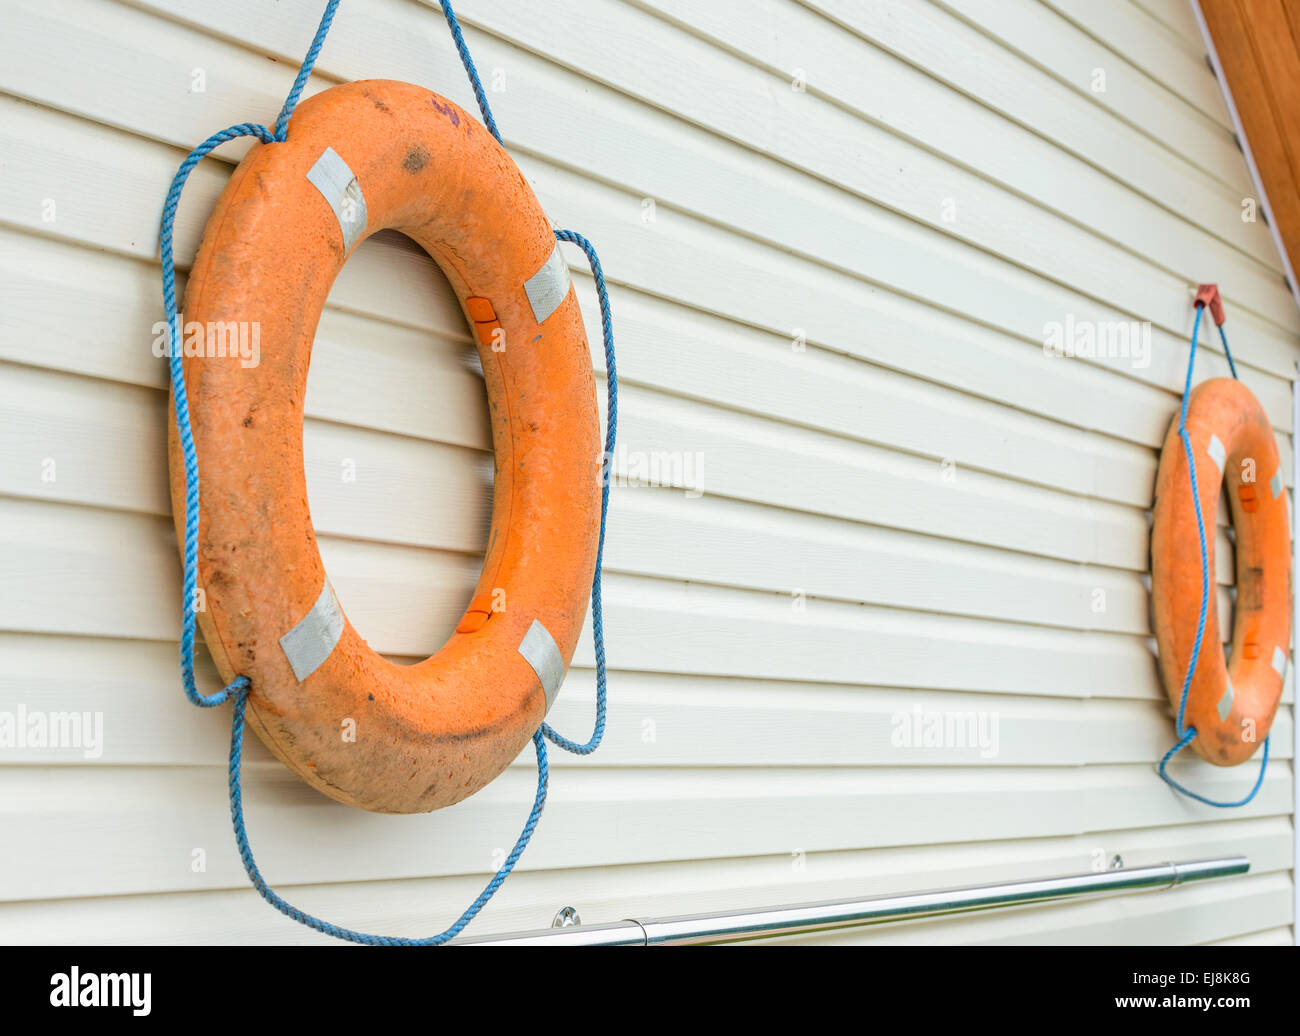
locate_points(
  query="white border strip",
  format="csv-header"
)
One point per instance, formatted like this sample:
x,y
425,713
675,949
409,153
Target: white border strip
x,y
1245,150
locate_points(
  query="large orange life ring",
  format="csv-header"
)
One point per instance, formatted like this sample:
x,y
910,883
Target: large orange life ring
x,y
359,158
1230,703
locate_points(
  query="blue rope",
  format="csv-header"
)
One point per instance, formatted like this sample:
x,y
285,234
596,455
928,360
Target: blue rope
x,y
239,688
471,70
1186,735
291,911
1223,337
611,432
181,400
304,70
1186,740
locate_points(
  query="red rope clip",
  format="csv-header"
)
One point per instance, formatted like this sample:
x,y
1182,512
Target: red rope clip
x,y
1208,295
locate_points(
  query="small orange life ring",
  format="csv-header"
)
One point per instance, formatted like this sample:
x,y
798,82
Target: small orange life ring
x,y
359,158
1230,703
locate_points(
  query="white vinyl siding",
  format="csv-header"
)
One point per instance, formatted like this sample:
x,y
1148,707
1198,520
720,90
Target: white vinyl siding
x,y
946,184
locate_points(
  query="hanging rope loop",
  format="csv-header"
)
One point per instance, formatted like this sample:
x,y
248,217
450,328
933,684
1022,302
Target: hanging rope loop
x,y
239,689
1207,297
607,460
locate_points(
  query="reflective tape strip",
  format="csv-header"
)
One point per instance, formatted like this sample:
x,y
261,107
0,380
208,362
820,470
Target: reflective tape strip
x,y
1275,483
1225,703
1279,662
539,651
1217,453
547,288
336,183
309,643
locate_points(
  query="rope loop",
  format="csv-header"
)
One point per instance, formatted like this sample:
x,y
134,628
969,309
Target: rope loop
x,y
348,934
607,460
1186,735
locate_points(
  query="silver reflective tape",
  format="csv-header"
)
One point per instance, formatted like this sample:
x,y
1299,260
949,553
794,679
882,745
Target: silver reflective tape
x,y
1279,661
332,177
1217,453
548,286
539,651
1225,703
1275,483
309,643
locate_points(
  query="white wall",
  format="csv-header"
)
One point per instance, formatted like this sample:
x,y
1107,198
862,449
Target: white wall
x,y
770,776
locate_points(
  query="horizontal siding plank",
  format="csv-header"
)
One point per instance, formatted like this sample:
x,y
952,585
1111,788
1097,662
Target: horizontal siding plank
x,y
655,532
410,41
835,310
1152,49
1178,17
141,830
975,64
1144,288
351,373
407,600
530,898
656,719
669,347
731,98
778,36
1040,35
743,458
790,293
75,442
116,463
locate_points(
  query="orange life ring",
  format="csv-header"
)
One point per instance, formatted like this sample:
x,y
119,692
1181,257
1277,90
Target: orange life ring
x,y
359,158
1230,703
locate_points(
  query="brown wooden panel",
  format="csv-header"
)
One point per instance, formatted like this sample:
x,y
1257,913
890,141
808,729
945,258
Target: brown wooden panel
x,y
1258,43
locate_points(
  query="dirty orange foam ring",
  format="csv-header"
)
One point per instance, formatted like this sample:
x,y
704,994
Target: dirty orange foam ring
x,y
360,158
1232,700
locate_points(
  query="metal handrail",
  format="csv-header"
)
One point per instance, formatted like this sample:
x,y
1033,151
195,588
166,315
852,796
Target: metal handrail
x,y
852,913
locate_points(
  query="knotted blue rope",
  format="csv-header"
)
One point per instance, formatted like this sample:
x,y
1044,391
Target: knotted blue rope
x,y
1186,735
304,70
239,688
